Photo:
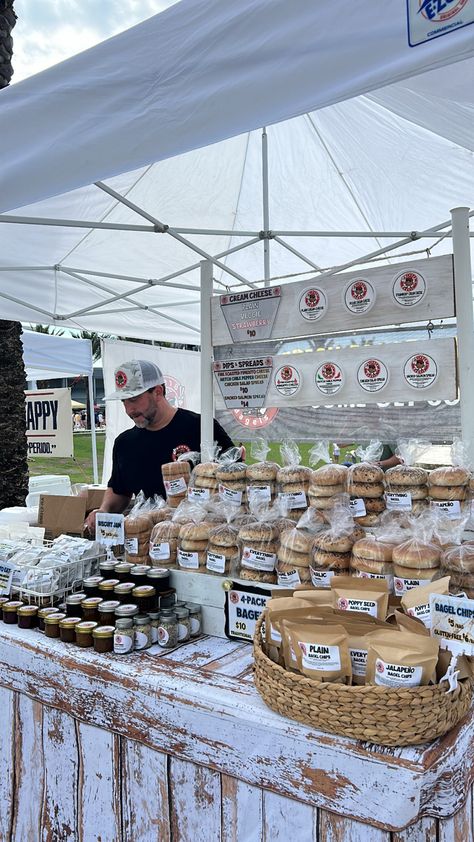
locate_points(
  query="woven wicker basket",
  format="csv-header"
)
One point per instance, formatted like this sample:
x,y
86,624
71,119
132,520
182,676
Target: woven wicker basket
x,y
390,717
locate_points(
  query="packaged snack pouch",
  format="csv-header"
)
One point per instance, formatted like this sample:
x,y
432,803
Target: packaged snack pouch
x,y
416,602
367,596
278,608
321,651
401,659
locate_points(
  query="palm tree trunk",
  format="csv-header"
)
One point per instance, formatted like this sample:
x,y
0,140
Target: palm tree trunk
x,y
13,445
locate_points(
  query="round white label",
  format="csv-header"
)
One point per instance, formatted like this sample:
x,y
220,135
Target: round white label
x,y
329,378
313,304
359,296
287,380
420,371
372,375
409,288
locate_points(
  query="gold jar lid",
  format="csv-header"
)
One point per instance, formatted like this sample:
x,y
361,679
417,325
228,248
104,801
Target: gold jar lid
x,y
91,602
103,631
28,610
44,612
86,627
13,605
68,622
54,619
143,590
108,584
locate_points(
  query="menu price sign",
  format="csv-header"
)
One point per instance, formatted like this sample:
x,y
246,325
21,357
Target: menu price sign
x,y
243,606
452,623
251,315
109,529
244,383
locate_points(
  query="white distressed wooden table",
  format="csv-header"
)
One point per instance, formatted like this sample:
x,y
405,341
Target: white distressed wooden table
x,y
180,748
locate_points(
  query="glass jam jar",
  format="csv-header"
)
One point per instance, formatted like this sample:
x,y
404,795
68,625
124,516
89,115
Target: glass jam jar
x,y
123,591
10,611
129,610
159,577
168,629
90,586
84,633
27,616
106,587
107,612
90,608
154,623
122,571
168,598
103,638
145,597
184,624
67,629
195,618
3,600
51,624
124,636
107,567
73,603
142,631
43,613
138,574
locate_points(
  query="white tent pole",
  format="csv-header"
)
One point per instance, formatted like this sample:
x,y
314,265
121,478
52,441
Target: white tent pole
x,y
266,210
93,436
207,395
297,253
75,223
465,322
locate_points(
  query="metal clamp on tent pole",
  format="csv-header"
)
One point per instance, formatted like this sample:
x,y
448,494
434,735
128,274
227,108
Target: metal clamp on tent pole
x,y
161,229
266,235
430,328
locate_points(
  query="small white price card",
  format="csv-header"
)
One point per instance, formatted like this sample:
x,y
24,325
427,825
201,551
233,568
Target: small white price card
x,y
398,502
357,507
109,529
450,508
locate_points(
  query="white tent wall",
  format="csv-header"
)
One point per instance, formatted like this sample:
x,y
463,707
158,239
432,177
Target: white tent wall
x,y
182,378
50,357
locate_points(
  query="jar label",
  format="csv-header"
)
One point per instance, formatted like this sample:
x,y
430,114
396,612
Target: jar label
x,y
142,640
195,625
198,493
287,380
131,546
163,636
258,560
175,486
372,375
158,552
420,371
216,562
409,288
123,643
329,378
154,633
188,560
359,296
183,631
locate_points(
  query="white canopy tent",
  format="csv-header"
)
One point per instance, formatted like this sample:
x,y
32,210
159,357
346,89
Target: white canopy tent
x,y
51,357
369,137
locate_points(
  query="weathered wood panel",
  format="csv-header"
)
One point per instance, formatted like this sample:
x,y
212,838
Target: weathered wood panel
x,y
29,770
286,819
242,811
425,830
145,804
99,804
7,754
61,771
334,828
458,828
195,803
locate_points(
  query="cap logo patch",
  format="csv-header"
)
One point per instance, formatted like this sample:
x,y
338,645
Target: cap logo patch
x,y
120,379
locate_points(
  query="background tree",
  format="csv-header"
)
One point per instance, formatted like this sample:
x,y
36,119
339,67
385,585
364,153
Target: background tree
x,y
13,445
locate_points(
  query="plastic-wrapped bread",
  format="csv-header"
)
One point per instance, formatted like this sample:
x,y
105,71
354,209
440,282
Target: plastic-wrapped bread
x,y
175,479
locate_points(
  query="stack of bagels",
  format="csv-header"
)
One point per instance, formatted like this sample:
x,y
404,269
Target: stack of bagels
x,y
366,482
223,549
330,555
403,479
164,544
326,483
293,479
448,484
232,482
372,558
262,475
294,556
258,546
458,563
414,563
137,529
204,477
176,479
193,541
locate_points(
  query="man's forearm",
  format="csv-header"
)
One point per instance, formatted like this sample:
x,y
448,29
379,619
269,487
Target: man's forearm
x,y
114,503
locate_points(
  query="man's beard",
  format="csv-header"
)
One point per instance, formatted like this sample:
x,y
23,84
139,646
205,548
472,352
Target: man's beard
x,y
144,420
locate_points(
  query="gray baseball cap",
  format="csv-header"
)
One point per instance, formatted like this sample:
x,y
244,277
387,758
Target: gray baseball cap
x,y
133,378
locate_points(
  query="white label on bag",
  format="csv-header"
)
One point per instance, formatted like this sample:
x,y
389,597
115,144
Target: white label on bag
x,y
421,612
159,552
401,585
131,546
397,675
258,560
198,493
175,486
321,578
398,502
359,661
451,508
291,578
348,603
362,574
188,560
229,495
259,492
215,562
295,500
357,507
316,656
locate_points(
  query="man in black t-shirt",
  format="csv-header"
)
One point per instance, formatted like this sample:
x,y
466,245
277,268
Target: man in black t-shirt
x,y
161,434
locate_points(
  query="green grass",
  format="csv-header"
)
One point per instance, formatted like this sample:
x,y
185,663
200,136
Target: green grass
x,y
79,468
304,448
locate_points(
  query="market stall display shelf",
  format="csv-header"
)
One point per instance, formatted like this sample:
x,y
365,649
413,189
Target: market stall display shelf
x,y
44,585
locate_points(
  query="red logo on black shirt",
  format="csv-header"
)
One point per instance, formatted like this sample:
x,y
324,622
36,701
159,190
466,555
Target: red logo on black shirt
x,y
179,450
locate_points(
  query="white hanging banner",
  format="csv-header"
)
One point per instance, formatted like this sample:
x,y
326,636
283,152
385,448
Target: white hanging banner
x,y
49,422
244,383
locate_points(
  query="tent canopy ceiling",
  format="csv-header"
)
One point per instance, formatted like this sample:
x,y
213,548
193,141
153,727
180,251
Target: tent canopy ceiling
x,y
48,356
360,155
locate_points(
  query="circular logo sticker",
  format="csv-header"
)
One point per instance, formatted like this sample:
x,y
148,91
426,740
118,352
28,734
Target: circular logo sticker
x,y
420,371
287,380
255,418
329,378
372,375
359,296
175,391
409,288
313,304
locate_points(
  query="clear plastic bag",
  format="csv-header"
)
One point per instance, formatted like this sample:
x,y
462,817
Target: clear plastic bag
x,y
223,549
258,544
331,548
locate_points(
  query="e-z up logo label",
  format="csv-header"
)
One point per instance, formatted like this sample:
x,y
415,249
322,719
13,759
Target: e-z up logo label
x,y
372,375
428,19
329,378
420,371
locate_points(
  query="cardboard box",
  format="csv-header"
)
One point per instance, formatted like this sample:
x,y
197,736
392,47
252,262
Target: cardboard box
x,y
95,495
60,514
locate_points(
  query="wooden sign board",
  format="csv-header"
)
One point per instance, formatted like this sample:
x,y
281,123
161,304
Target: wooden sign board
x,y
398,294
397,371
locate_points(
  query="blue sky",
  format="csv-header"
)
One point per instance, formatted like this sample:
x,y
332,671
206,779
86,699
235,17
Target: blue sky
x,y
48,31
